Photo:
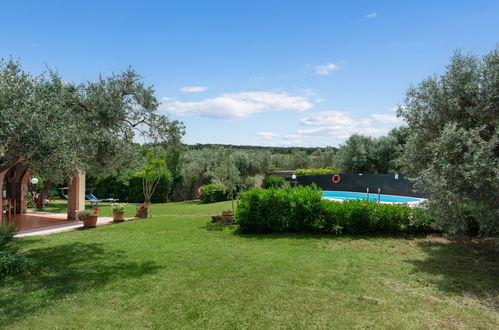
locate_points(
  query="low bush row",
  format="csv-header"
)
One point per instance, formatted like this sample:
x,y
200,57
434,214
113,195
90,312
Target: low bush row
x,y
302,209
314,171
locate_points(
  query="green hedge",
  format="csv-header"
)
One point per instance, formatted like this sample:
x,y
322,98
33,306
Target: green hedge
x,y
129,190
303,209
314,171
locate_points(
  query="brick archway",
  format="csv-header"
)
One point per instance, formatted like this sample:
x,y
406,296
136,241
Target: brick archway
x,y
17,179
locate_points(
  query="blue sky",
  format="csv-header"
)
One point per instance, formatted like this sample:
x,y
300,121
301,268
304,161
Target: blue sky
x,y
285,73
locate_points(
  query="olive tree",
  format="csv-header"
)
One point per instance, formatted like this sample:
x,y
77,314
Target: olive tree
x,y
453,145
225,174
63,128
355,155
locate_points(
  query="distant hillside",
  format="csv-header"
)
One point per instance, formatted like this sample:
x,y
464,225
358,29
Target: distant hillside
x,y
273,150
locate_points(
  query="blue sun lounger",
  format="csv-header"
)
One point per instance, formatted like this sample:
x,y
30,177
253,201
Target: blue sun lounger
x,y
94,200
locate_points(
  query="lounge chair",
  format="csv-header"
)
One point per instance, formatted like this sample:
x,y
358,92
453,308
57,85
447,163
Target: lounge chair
x,y
94,200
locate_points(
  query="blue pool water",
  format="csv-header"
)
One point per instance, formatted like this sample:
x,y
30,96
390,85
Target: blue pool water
x,y
345,195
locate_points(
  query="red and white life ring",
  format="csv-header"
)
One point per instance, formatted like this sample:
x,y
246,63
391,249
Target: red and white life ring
x,y
336,178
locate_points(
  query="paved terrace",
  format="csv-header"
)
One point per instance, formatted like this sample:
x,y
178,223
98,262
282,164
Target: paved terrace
x,y
43,223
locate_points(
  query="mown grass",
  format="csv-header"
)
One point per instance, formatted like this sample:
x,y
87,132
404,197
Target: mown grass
x,y
189,208
176,270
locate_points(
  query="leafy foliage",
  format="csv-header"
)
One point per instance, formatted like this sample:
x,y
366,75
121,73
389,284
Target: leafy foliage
x,y
302,209
6,235
84,214
453,145
363,154
11,263
153,170
128,188
14,263
60,127
117,207
212,193
273,181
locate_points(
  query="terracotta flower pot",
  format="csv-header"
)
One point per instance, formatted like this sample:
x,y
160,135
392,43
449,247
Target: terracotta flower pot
x,y
216,218
228,218
91,221
141,213
118,215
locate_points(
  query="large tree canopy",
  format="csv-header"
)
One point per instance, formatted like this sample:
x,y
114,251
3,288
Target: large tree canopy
x,y
363,154
453,145
60,127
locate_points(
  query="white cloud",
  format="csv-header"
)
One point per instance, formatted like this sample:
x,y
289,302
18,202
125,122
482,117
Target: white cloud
x,y
326,69
268,135
387,118
338,125
342,132
332,118
193,89
334,127
371,15
236,105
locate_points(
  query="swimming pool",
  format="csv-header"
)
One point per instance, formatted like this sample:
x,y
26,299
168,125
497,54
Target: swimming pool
x,y
346,195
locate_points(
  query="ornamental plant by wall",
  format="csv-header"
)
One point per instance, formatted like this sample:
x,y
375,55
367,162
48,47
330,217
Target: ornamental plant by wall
x,y
272,181
302,209
314,171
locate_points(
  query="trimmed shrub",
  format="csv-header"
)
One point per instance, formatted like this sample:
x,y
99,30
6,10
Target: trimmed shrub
x,y
6,235
273,181
211,193
302,209
13,264
314,171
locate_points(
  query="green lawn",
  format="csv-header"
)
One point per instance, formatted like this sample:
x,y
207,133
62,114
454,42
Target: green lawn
x,y
191,208
176,271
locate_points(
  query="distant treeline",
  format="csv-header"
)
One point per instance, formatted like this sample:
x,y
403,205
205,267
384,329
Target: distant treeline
x,y
272,150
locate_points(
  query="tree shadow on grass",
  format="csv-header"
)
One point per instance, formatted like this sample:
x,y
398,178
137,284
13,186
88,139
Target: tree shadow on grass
x,y
330,236
64,270
57,206
211,226
465,268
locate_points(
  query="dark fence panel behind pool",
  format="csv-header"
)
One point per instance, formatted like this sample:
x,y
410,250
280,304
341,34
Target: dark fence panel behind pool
x,y
388,184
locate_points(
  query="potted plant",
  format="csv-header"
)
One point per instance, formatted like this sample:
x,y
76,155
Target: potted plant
x,y
142,211
89,218
228,217
216,218
118,210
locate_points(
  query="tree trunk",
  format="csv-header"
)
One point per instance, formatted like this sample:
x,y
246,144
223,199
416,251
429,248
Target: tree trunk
x,y
43,193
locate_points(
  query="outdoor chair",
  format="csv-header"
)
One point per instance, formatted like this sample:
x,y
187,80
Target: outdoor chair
x,y
94,200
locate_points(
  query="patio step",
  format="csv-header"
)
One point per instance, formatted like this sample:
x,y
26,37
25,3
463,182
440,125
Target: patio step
x,y
69,226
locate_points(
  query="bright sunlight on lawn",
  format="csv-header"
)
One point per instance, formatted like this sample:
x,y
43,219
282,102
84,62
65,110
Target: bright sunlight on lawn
x,y
175,270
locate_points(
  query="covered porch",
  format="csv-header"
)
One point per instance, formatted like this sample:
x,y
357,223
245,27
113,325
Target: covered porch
x,y
34,220
14,197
